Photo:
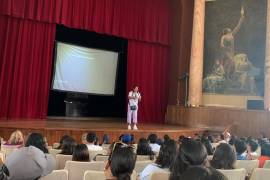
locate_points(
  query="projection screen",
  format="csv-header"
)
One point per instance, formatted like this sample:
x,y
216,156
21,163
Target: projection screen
x,y
85,70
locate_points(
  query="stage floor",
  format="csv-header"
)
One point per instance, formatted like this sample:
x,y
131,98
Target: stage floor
x,y
54,129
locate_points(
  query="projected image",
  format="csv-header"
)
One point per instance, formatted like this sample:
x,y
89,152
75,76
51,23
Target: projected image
x,y
86,70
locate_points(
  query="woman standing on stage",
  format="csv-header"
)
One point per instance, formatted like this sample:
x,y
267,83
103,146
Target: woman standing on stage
x,y
133,99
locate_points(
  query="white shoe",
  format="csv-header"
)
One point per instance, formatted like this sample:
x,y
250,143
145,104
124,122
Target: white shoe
x,y
129,127
135,127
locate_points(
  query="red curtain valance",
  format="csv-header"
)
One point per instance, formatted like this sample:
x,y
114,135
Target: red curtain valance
x,y
141,20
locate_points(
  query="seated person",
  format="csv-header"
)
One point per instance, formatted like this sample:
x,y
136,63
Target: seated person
x,y
152,138
68,146
91,139
121,162
224,157
252,147
191,153
265,154
31,161
164,160
144,148
81,153
240,148
16,139
127,139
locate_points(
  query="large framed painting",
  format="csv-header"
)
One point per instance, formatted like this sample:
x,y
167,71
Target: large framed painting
x,y
234,47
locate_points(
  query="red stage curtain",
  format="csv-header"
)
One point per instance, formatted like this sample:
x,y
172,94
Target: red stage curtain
x,y
26,50
143,20
147,68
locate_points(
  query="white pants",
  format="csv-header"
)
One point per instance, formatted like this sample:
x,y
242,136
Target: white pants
x,y
132,115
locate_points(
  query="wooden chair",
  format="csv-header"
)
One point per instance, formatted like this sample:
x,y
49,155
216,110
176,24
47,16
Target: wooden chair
x,y
249,165
260,174
56,175
61,160
76,169
234,174
267,164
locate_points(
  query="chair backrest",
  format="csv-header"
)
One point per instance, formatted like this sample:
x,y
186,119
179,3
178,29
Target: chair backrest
x,y
61,160
143,157
266,164
160,176
249,165
93,154
56,175
101,158
140,165
76,169
100,175
7,149
234,174
54,152
260,174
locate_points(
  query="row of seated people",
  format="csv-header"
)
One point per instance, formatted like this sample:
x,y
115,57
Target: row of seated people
x,y
178,161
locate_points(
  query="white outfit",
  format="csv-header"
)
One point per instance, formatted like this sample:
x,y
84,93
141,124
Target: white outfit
x,y
149,169
92,147
132,114
155,147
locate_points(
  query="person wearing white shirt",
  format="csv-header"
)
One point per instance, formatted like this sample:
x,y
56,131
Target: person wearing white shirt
x,y
152,138
133,99
91,139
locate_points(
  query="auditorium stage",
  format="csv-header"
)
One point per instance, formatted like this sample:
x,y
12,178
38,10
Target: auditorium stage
x,y
54,129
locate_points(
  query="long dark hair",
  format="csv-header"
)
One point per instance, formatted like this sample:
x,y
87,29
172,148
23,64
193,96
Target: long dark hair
x,y
191,153
224,157
36,140
167,154
122,161
81,153
144,148
68,146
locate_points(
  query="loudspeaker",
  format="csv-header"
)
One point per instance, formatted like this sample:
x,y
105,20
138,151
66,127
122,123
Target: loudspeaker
x,y
255,104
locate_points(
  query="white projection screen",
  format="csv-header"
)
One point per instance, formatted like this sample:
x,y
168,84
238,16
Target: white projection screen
x,y
85,70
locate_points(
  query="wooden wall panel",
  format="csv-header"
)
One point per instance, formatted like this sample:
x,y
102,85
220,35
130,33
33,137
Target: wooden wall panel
x,y
243,122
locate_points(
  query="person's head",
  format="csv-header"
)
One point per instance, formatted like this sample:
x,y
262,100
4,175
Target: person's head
x,y
240,146
221,137
121,161
91,137
136,88
207,145
191,153
227,31
167,154
16,138
106,139
252,145
61,140
36,140
144,148
265,149
202,173
68,146
224,157
126,138
152,138
166,137
80,153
